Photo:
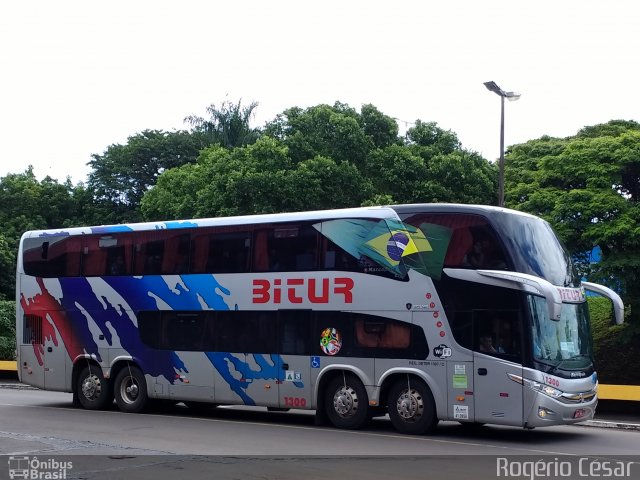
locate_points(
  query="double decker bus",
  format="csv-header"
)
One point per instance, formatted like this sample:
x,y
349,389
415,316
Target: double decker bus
x,y
426,312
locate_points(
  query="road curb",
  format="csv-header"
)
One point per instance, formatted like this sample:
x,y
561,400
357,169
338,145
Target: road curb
x,y
610,424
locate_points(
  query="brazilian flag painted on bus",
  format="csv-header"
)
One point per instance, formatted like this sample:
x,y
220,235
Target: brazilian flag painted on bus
x,y
392,244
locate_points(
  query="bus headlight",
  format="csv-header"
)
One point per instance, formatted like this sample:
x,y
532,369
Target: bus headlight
x,y
539,387
546,389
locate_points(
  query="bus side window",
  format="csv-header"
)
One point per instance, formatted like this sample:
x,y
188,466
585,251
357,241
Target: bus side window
x,y
246,331
106,255
286,248
221,250
260,252
161,252
469,231
295,326
229,253
335,258
52,256
176,257
459,246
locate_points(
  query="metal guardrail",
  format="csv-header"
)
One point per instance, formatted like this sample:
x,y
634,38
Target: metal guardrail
x,y
8,365
619,392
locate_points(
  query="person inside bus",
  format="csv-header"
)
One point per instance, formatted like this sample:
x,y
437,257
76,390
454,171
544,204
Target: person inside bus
x,y
485,254
486,345
475,258
117,265
506,341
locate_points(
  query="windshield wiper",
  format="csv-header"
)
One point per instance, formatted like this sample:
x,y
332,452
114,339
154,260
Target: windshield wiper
x,y
574,357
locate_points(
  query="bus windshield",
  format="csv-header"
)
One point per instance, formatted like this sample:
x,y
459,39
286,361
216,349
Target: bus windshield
x,y
536,250
563,344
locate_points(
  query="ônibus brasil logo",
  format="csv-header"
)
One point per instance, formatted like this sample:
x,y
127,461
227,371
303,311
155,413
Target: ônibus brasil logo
x,y
36,469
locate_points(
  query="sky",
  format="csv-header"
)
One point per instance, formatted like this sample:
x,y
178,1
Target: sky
x,y
78,76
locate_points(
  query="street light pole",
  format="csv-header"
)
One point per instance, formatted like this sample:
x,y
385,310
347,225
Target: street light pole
x,y
511,96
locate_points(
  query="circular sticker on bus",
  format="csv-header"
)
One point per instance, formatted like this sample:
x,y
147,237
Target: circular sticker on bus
x,y
330,341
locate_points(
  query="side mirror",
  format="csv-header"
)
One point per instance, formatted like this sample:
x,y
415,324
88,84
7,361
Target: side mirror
x,y
618,306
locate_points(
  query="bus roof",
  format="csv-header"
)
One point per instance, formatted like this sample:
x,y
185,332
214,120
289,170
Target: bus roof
x,y
378,212
374,212
456,208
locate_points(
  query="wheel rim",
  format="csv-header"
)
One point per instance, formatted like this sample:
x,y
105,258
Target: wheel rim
x,y
91,387
410,406
129,390
345,402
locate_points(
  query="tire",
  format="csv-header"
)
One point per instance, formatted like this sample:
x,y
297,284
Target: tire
x,y
130,390
93,391
411,407
346,402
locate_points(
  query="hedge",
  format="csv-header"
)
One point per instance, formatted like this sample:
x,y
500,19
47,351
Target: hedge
x,y
616,347
7,330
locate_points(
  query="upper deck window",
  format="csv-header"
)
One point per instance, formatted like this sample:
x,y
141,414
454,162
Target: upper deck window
x,y
52,256
474,243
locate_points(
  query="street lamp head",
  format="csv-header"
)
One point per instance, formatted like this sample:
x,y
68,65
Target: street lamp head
x,y
493,87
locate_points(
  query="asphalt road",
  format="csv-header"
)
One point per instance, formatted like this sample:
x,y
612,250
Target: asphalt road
x,y
252,443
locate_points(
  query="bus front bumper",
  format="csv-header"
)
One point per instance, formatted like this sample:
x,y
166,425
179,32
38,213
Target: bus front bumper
x,y
548,411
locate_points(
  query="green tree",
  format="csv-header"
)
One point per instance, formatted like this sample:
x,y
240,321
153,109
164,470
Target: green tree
x,y
123,173
257,178
7,270
587,186
325,157
380,128
429,140
7,330
228,125
29,204
397,172
334,132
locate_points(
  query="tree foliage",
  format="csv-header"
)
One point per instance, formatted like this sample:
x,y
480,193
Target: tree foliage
x,y
123,173
7,330
228,125
325,157
258,178
29,204
587,186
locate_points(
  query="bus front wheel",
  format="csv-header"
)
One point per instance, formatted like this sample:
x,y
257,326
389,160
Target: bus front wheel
x,y
346,402
130,390
411,407
93,390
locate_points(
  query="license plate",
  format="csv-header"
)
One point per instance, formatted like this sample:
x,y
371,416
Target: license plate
x,y
579,413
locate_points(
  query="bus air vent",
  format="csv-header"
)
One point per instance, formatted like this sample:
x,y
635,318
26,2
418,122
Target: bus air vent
x,y
32,331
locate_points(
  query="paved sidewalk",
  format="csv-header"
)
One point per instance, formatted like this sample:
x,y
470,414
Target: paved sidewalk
x,y
620,424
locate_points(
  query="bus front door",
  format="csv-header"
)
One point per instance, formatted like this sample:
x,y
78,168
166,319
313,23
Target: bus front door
x,y
497,398
295,388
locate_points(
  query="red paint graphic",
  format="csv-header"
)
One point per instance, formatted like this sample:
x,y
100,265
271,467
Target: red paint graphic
x,y
44,305
297,290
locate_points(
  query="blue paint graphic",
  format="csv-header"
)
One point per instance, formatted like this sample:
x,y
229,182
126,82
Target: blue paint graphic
x,y
144,293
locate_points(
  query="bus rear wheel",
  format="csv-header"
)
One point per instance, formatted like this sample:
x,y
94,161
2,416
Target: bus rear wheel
x,y
130,390
93,390
346,402
411,407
